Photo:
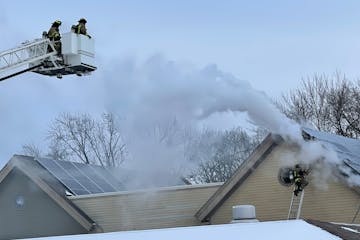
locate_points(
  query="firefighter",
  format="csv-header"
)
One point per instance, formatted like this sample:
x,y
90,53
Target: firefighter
x,y
299,179
81,28
54,35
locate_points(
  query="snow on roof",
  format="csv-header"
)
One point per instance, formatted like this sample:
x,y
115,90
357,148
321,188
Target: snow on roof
x,y
348,149
274,230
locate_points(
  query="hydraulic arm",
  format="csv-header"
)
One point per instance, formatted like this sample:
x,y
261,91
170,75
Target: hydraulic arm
x,y
27,54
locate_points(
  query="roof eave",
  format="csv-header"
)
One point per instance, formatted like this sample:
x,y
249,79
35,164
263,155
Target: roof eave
x,y
250,164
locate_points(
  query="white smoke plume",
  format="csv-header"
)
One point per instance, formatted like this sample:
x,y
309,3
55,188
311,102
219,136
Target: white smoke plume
x,y
154,93
158,91
326,165
322,161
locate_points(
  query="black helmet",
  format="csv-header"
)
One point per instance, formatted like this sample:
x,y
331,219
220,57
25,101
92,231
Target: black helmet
x,y
82,20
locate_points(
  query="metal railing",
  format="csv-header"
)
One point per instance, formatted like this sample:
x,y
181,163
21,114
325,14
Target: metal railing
x,y
28,52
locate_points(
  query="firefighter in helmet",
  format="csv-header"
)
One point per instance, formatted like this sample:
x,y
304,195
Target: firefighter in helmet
x,y
54,35
299,179
80,28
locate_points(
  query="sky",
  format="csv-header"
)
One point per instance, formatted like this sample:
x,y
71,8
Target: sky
x,y
270,45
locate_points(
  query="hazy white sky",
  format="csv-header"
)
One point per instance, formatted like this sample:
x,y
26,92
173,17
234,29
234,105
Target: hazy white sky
x,y
270,44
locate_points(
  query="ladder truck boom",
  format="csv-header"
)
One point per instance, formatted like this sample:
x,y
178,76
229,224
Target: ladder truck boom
x,y
27,53
39,56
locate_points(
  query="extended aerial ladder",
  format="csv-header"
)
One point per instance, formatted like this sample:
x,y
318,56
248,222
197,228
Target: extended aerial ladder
x,y
26,54
39,56
295,206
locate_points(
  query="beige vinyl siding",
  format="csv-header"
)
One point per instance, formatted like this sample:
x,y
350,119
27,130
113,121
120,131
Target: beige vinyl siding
x,y
338,204
165,207
271,199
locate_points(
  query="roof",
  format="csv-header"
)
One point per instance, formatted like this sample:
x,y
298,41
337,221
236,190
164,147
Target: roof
x,y
348,151
146,209
344,231
83,179
145,191
99,211
275,230
49,184
80,179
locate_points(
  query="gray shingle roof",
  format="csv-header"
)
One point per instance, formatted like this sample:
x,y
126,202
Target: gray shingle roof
x,y
347,149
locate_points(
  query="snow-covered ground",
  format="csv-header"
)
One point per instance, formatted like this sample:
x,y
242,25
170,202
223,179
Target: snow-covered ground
x,y
275,230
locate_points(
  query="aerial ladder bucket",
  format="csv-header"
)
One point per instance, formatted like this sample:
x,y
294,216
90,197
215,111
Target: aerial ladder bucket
x,y
77,56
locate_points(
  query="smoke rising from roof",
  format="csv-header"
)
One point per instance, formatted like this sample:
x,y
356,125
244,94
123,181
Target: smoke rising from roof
x,y
158,99
158,91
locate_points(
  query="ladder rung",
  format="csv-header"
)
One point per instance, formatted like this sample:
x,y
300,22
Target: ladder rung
x,y
295,206
31,52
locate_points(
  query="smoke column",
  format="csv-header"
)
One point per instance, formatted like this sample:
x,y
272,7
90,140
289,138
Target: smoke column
x,y
159,90
154,93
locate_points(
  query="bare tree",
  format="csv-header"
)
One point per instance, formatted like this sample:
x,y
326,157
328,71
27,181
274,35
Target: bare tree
x,y
258,135
309,102
229,152
58,152
329,103
31,150
201,146
168,133
352,113
339,100
73,132
106,142
81,138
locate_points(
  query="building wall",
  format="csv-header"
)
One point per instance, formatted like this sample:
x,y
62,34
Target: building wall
x,y
272,200
165,207
38,216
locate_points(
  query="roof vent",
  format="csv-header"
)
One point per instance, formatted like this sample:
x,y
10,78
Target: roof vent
x,y
244,214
